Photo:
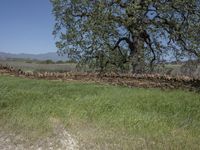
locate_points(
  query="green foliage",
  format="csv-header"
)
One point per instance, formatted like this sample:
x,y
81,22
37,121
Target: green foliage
x,y
163,119
29,61
60,62
48,61
142,32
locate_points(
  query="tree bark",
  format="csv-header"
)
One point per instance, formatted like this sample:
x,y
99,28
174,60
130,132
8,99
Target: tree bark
x,y
137,56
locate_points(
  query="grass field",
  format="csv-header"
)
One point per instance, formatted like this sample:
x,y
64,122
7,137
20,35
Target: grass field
x,y
102,116
34,66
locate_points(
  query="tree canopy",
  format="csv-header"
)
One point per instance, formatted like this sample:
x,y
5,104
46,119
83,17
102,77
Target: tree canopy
x,y
133,33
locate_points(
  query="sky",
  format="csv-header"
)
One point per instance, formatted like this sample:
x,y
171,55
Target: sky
x,y
26,26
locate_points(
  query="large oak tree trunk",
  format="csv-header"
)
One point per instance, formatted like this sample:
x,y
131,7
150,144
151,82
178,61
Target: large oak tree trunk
x,y
137,56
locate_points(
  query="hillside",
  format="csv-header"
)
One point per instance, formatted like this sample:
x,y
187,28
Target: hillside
x,y
53,56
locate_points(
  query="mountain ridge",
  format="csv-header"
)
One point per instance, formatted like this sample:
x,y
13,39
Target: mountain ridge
x,y
43,56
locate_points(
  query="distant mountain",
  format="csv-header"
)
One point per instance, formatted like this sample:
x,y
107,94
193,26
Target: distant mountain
x,y
52,56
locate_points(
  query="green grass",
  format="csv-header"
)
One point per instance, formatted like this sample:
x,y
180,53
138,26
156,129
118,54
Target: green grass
x,y
102,115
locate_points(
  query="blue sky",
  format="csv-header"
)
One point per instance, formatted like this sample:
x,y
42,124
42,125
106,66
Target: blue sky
x,y
26,26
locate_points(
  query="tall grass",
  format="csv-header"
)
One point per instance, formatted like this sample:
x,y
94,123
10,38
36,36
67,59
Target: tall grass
x,y
102,116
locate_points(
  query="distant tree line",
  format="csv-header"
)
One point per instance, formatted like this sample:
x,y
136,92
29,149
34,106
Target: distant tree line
x,y
49,61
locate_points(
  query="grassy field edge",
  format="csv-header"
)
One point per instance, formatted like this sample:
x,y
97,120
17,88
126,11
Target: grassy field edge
x,y
102,115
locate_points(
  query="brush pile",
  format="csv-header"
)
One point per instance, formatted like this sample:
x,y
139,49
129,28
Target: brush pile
x,y
130,80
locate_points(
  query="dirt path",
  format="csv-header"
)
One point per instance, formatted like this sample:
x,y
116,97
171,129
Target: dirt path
x,y
60,140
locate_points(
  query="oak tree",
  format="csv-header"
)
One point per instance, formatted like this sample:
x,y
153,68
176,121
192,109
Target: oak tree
x,y
134,32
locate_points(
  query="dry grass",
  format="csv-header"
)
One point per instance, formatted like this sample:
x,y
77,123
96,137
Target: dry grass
x,y
40,67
